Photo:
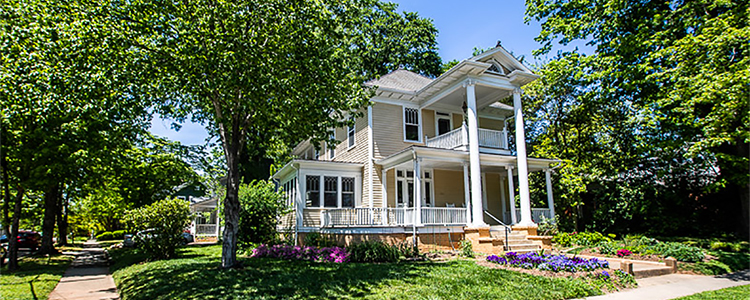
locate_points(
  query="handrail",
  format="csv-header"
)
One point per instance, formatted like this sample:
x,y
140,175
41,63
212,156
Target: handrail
x,y
506,247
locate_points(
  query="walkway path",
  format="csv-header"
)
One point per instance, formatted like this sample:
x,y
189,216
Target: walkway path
x,y
87,278
678,285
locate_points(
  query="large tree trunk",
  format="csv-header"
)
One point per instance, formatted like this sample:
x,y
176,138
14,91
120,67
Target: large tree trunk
x,y
62,221
48,223
13,240
232,149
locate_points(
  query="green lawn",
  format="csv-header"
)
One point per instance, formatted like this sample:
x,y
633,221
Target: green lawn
x,y
35,279
732,293
197,276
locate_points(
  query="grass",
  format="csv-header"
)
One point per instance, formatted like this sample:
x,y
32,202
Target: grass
x,y
725,262
737,292
36,277
197,276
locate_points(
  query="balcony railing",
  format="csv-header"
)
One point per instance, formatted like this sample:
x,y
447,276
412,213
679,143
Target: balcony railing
x,y
536,214
459,137
365,216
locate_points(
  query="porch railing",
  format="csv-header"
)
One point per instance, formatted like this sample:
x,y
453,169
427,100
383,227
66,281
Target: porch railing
x,y
536,214
365,216
205,229
458,137
443,216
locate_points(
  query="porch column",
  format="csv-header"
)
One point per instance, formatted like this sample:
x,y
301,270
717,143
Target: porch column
x,y
503,199
383,183
512,195
417,192
523,168
466,193
476,175
550,199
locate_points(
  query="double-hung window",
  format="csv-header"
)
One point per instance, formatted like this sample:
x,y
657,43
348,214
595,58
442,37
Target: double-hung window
x,y
330,194
411,125
350,133
332,148
330,191
312,184
347,191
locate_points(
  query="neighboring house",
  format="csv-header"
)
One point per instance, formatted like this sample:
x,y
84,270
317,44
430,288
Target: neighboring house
x,y
429,159
205,223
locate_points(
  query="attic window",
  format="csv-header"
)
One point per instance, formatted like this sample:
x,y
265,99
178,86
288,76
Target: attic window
x,y
495,68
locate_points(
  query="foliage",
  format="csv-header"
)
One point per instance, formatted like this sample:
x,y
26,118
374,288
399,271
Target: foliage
x,y
679,251
547,226
195,276
731,293
373,251
654,126
316,239
325,254
580,238
111,235
36,278
165,219
720,263
467,249
608,248
549,262
260,206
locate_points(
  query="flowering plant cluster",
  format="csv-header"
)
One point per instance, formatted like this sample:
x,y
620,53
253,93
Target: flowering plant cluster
x,y
548,262
624,252
326,254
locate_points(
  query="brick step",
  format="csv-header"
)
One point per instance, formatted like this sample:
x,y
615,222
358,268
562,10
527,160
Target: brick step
x,y
521,251
524,247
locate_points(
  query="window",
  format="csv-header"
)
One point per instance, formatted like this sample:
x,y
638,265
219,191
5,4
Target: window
x,y
405,188
330,192
350,133
347,191
443,123
312,184
411,124
317,154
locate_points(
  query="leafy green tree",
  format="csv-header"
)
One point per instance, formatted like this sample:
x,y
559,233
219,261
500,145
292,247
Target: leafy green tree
x,y
675,74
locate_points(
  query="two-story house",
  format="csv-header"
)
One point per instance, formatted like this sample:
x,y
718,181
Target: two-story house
x,y
430,159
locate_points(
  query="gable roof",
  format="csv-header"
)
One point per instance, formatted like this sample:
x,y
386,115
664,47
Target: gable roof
x,y
402,80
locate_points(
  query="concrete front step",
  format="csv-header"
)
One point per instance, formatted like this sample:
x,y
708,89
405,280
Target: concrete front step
x,y
523,247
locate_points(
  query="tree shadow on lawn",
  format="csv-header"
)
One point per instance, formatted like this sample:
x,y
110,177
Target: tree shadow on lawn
x,y
260,278
280,279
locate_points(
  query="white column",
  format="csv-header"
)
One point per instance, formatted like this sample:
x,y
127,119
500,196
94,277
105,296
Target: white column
x,y
503,199
299,205
523,168
467,201
550,198
417,192
512,195
476,174
384,205
370,165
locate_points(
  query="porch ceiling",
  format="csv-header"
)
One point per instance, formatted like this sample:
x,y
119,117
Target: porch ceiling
x,y
444,159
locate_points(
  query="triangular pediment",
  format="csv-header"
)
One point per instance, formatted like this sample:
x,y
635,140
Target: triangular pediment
x,y
502,62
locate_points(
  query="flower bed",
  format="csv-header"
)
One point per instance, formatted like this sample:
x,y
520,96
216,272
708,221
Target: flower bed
x,y
548,262
325,254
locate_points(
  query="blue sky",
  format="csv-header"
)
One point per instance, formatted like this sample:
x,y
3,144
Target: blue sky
x,y
462,25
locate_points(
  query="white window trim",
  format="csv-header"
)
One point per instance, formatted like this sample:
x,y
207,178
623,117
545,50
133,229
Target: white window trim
x,y
353,143
321,186
406,181
331,149
403,124
438,117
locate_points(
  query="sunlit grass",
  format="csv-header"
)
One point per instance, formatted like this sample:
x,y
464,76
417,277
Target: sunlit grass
x,y
35,279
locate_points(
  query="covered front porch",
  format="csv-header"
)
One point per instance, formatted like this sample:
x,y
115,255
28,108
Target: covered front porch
x,y
444,191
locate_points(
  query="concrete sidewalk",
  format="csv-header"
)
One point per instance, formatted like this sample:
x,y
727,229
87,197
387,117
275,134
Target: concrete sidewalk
x,y
87,278
678,285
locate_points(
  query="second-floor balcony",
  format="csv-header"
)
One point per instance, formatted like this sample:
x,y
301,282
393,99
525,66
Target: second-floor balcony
x,y
458,139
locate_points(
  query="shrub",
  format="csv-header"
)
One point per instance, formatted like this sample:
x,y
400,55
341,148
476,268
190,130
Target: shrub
x,y
165,220
110,236
260,205
547,226
406,250
325,254
580,238
467,250
373,252
608,248
315,239
679,251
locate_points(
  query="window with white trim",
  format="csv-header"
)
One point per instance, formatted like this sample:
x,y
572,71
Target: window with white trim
x,y
347,191
350,133
312,186
411,124
330,191
405,188
316,155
